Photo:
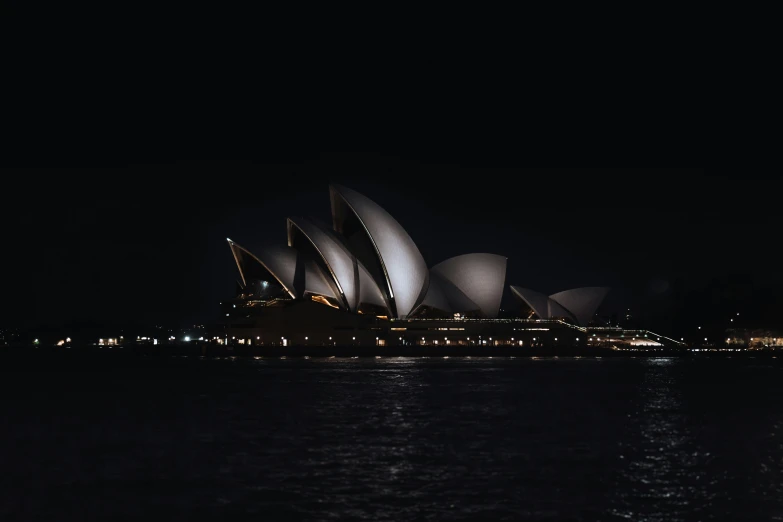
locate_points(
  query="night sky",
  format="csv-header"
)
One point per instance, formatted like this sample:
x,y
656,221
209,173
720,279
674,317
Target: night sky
x,y
146,242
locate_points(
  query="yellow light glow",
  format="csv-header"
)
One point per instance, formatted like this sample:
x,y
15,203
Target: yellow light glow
x,y
321,299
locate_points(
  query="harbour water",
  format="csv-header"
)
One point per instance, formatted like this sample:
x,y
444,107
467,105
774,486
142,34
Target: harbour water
x,y
393,438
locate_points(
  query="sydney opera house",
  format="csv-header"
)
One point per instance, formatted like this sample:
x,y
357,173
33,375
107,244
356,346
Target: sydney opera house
x,y
363,281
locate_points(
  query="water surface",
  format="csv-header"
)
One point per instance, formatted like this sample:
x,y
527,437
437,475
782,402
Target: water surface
x,y
397,439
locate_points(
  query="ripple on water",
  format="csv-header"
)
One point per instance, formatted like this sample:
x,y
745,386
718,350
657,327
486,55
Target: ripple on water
x,y
399,439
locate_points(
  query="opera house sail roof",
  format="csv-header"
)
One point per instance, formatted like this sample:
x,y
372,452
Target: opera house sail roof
x,y
479,277
577,305
351,279
381,242
367,263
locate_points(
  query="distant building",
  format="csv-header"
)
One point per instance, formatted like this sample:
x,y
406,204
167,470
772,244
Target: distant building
x,y
754,338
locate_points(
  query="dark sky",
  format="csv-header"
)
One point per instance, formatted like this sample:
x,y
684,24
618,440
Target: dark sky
x,y
146,242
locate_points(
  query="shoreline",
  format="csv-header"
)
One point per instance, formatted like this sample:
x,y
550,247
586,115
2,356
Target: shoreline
x,y
204,351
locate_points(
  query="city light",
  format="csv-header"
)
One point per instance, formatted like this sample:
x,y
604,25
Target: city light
x,y
187,339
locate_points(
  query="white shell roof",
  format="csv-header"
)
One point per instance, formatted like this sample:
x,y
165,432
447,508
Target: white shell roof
x,y
582,302
481,277
541,304
349,275
404,268
280,261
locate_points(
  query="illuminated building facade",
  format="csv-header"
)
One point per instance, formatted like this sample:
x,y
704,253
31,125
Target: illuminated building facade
x,y
364,281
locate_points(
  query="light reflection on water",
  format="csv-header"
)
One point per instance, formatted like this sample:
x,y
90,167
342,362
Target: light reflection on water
x,y
401,438
662,469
